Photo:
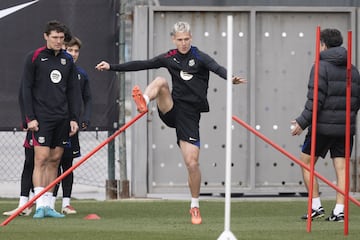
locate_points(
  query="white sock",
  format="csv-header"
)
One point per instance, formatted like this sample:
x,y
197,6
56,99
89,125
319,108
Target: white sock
x,y
23,200
40,201
48,199
194,202
147,99
52,202
65,202
339,208
316,203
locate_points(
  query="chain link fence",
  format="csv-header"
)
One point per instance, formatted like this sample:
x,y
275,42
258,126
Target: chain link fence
x,y
92,172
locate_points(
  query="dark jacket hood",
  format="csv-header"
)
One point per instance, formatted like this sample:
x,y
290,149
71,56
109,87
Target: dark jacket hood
x,y
335,55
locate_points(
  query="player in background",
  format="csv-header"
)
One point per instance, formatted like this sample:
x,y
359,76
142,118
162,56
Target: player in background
x,y
331,118
73,151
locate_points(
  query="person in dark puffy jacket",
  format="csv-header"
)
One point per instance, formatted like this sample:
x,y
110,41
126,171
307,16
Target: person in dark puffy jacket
x,y
331,117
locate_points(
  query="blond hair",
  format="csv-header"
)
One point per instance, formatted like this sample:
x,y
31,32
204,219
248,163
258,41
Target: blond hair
x,y
180,27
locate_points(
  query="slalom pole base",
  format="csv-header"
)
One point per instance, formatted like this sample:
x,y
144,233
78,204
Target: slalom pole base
x,y
227,235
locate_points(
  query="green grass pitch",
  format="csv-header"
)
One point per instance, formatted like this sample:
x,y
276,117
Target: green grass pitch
x,y
170,219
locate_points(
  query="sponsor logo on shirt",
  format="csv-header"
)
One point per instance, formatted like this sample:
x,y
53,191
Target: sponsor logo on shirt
x,y
44,59
55,76
185,76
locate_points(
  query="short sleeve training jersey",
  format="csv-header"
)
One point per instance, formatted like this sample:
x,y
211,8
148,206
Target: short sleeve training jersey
x,y
189,73
49,87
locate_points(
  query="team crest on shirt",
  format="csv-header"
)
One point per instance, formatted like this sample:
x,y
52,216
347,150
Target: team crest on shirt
x,y
79,76
191,62
63,61
55,76
41,139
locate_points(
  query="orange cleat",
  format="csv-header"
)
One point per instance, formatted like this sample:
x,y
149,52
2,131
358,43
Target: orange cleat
x,y
139,99
195,215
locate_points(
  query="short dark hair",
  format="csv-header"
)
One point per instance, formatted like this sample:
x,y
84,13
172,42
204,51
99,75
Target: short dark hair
x,y
57,26
331,37
74,41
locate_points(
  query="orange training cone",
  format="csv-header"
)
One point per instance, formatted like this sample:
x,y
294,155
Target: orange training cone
x,y
92,216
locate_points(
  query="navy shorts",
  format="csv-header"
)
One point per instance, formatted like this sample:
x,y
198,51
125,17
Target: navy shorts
x,y
334,144
52,134
185,121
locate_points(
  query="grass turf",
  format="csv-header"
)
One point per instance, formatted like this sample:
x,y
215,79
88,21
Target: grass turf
x,y
168,219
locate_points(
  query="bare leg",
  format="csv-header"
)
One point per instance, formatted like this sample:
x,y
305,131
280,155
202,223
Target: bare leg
x,y
41,155
305,158
159,89
52,165
190,154
339,165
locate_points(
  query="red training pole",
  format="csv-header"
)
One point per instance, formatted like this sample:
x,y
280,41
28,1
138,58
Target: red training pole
x,y
67,172
313,127
347,134
287,154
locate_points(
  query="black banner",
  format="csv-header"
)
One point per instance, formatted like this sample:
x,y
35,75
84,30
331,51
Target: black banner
x,y
22,24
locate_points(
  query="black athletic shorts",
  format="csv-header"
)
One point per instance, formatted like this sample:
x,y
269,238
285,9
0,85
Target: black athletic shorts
x,y
28,142
52,133
73,149
324,143
185,121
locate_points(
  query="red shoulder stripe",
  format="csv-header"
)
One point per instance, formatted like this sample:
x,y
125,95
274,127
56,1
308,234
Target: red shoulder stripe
x,y
36,53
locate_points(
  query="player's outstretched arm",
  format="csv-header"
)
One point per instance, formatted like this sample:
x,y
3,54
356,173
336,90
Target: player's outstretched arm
x,y
238,80
102,66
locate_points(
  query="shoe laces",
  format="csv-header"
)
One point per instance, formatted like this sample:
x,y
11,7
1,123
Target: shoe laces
x,y
195,212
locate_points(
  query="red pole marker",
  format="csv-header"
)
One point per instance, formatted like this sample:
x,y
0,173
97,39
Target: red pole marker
x,y
77,164
347,134
293,158
313,129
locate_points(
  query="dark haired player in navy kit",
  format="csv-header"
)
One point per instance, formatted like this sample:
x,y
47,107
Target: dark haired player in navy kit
x,y
51,95
180,108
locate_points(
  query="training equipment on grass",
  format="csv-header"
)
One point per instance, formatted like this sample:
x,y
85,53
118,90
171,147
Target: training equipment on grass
x,y
292,157
227,234
347,133
92,216
77,164
313,140
314,124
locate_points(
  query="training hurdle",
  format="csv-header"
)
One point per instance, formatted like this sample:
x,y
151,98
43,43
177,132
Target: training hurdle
x,y
77,164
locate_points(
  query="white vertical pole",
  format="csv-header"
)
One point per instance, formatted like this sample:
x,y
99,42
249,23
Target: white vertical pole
x,y
227,234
